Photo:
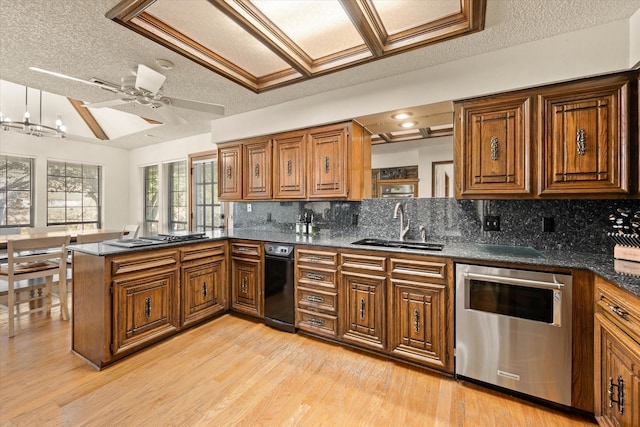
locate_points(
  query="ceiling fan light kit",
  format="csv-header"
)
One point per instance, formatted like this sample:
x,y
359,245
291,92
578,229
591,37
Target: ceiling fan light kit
x,y
26,126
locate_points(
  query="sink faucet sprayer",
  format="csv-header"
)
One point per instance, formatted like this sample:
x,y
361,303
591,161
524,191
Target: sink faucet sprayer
x,y
403,230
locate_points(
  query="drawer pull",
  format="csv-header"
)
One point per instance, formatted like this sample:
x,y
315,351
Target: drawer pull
x,y
204,289
362,308
147,307
416,320
617,310
315,322
620,397
314,298
244,285
315,276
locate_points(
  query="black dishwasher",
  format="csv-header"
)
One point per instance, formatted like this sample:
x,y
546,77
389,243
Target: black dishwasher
x,y
278,287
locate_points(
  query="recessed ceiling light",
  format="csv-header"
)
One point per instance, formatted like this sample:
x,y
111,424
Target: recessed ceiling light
x,y
165,64
401,116
407,125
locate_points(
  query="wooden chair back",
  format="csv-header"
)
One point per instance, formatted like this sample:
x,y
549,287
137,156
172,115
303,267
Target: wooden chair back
x,y
98,237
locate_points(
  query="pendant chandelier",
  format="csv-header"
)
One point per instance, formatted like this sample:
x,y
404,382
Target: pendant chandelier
x,y
26,126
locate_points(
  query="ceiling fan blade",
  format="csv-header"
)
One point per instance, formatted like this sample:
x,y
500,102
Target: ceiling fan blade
x,y
170,117
75,79
198,106
148,79
110,103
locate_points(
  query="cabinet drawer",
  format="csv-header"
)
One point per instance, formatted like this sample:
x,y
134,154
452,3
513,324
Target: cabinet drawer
x,y
143,261
619,306
363,262
430,271
202,250
246,249
316,299
316,277
317,257
318,323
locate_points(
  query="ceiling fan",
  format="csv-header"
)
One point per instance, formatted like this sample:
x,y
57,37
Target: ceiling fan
x,y
143,89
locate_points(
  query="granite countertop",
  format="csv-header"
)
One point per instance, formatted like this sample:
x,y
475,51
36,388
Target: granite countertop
x,y
601,264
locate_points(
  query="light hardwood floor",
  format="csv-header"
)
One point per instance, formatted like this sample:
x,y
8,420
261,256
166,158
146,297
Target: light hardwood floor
x,y
235,372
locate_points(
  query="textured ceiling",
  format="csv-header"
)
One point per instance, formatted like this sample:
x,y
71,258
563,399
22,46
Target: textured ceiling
x,y
75,38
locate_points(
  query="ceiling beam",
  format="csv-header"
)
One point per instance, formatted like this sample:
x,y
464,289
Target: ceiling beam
x,y
88,118
368,24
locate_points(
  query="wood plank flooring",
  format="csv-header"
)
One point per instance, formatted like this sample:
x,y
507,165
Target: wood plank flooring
x,y
235,372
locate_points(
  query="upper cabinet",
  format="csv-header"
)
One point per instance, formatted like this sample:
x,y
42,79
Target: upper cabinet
x,y
570,140
493,142
583,138
328,162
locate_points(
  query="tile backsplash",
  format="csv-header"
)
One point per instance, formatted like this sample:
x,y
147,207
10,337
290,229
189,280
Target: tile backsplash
x,y
578,224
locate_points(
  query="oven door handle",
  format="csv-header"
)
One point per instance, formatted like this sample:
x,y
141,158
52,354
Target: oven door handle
x,y
514,281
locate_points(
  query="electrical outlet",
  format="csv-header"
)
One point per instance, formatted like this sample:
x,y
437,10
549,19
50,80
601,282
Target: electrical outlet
x,y
269,217
491,223
248,207
354,219
548,224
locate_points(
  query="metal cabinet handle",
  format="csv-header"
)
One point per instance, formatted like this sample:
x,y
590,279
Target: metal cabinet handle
x,y
362,308
244,285
315,322
580,141
256,170
326,164
416,320
620,397
228,171
617,310
314,298
204,289
147,307
289,167
494,148
315,276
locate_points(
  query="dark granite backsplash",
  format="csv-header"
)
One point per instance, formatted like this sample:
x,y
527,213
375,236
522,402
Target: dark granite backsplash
x,y
579,224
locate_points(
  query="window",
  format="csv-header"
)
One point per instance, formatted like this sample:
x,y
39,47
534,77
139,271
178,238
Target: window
x,y
207,213
151,200
16,192
178,219
73,195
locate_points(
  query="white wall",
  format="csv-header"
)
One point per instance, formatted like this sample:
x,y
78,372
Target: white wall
x,y
115,169
159,154
421,152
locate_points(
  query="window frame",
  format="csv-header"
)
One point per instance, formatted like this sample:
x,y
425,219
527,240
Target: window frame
x,y
174,224
5,215
194,159
147,224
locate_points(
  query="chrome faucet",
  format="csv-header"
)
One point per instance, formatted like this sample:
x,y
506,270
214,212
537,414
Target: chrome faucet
x,y
423,233
403,230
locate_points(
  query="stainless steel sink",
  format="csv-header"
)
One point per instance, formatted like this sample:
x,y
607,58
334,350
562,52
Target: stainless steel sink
x,y
427,246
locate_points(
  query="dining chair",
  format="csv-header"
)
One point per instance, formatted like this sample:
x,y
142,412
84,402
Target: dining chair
x,y
29,261
98,237
130,231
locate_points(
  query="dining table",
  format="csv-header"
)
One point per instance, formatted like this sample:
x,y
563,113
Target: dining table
x,y
73,233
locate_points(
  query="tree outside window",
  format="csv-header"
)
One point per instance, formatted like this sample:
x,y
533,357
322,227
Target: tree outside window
x,y
178,208
16,191
73,195
151,201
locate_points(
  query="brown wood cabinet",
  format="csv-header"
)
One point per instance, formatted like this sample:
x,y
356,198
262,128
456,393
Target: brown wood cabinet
x,y
584,137
617,358
328,162
289,165
256,159
420,311
247,288
493,146
230,172
204,281
316,291
568,140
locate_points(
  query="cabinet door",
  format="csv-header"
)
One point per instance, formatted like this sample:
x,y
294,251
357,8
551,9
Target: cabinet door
x,y
257,170
144,309
328,162
364,317
289,166
418,329
230,172
584,147
493,147
246,287
619,377
203,290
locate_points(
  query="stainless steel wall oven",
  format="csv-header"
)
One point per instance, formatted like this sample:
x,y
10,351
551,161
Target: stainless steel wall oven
x,y
513,330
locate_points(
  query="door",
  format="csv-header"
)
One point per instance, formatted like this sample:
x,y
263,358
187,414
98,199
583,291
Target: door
x,y
289,167
203,288
230,172
328,162
246,287
257,169
364,309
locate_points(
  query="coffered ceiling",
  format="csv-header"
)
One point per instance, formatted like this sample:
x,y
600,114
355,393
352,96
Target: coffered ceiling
x,y
267,60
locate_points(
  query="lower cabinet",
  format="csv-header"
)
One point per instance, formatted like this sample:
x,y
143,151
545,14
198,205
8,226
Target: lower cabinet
x,y
617,358
246,278
364,309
